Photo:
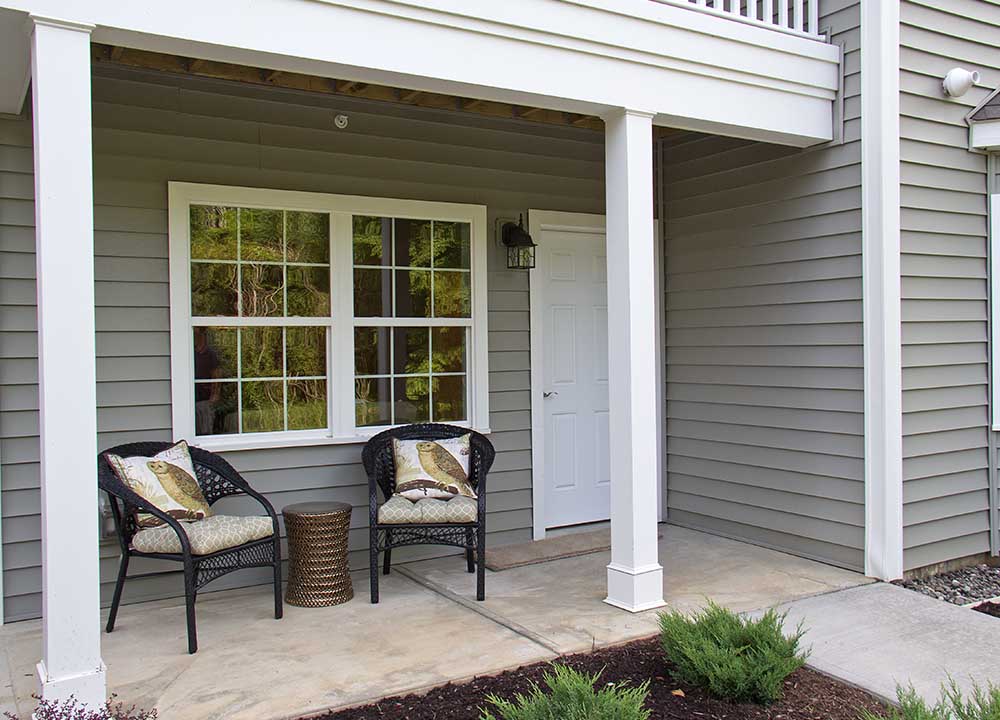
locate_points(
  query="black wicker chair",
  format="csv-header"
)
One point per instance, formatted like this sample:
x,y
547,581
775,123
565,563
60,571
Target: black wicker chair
x,y
217,479
380,466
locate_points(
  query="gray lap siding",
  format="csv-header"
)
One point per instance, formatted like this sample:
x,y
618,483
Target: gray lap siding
x,y
944,282
765,424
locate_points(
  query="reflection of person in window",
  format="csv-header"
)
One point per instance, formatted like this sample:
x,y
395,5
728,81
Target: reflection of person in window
x,y
206,395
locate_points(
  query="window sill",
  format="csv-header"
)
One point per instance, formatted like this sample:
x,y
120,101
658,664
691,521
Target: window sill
x,y
237,443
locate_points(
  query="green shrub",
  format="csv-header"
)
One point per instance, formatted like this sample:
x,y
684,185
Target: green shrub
x,y
572,696
911,707
734,658
952,705
983,705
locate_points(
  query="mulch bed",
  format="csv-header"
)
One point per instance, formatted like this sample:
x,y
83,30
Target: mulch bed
x,y
990,608
808,695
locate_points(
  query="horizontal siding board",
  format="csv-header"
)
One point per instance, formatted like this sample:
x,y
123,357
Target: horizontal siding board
x,y
845,356
960,546
841,467
784,522
823,334
783,501
801,483
768,416
798,398
761,436
807,546
940,486
938,508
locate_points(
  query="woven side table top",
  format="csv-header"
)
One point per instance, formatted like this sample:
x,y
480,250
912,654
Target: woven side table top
x,y
318,574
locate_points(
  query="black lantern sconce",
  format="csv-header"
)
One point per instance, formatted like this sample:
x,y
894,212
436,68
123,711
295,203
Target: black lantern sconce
x,y
520,246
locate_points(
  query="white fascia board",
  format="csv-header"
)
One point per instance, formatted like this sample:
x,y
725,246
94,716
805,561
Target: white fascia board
x,y
666,59
984,135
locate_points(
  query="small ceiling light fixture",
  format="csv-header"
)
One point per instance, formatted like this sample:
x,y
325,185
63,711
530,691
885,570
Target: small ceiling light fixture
x,y
959,81
520,246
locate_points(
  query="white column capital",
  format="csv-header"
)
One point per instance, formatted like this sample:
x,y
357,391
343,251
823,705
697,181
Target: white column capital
x,y
60,23
627,112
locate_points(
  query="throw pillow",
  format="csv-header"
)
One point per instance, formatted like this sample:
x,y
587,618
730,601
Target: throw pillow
x,y
433,468
167,480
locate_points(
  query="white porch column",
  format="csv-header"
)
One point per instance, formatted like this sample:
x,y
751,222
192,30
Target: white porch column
x,y
635,578
64,239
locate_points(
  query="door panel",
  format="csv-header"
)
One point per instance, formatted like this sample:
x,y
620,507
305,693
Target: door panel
x,y
577,467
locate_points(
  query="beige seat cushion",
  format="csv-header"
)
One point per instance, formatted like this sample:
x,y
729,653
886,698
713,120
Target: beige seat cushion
x,y
206,536
398,510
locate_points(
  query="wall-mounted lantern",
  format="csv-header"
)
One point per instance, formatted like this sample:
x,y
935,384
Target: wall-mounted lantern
x,y
520,246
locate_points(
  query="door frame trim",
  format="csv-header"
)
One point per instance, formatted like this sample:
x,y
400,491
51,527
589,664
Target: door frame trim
x,y
538,222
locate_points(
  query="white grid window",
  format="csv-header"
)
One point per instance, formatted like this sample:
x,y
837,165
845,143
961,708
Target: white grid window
x,y
302,318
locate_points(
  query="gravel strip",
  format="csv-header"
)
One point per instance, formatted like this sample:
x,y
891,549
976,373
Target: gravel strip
x,y
960,587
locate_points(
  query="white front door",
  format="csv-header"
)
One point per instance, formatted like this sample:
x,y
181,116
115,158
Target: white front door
x,y
571,264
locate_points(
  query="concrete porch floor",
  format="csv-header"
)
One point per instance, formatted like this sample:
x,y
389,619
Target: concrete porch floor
x,y
426,630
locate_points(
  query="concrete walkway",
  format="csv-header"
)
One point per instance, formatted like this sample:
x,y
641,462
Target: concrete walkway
x,y
427,630
879,635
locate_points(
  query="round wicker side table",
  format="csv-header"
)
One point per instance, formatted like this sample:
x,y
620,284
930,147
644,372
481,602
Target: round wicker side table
x,y
318,574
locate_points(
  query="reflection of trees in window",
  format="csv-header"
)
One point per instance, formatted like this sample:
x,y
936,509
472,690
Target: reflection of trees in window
x,y
411,268
257,263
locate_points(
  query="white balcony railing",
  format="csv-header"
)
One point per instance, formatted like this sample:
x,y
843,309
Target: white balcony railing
x,y
797,17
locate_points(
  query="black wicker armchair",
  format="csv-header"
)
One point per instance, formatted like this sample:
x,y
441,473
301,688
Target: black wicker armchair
x,y
380,466
217,479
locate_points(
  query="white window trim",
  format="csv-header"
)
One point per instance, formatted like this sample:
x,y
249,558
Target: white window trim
x,y
341,362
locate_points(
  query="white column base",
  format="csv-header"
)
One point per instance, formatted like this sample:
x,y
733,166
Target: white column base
x,y
88,688
635,589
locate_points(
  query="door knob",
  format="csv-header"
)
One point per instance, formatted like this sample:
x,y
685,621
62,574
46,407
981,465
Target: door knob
x,y
550,393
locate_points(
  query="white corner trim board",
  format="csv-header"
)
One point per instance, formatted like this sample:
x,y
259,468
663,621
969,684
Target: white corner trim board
x,y
880,220
993,187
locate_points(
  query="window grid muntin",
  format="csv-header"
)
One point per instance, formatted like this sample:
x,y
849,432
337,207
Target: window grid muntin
x,y
432,269
429,375
284,263
239,380
392,321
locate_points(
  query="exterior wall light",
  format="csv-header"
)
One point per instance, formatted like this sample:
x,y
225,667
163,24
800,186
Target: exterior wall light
x,y
520,246
959,81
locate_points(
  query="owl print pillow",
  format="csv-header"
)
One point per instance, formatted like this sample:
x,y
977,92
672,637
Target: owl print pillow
x,y
166,480
433,468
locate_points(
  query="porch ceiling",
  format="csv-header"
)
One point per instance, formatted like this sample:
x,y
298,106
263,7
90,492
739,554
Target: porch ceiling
x,y
115,55
251,666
